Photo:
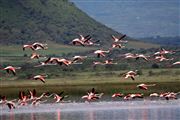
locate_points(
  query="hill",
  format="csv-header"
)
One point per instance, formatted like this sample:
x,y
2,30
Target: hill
x,y
23,21
167,41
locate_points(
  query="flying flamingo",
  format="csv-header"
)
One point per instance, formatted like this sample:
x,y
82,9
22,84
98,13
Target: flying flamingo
x,y
64,61
35,56
117,45
119,39
38,46
109,62
117,95
59,97
92,95
133,96
129,56
130,74
176,63
28,46
22,98
35,46
154,95
144,86
138,56
12,69
78,58
100,53
162,58
163,51
49,61
40,77
10,104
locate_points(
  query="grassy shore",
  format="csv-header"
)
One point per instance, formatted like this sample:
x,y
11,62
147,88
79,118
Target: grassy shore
x,y
106,81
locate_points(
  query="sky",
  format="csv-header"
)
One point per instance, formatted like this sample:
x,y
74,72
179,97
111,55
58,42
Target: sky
x,y
136,18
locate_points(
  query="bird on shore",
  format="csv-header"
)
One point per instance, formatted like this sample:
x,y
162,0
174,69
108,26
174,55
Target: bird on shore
x,y
144,86
133,96
59,97
40,77
117,95
23,99
10,104
93,95
154,95
11,69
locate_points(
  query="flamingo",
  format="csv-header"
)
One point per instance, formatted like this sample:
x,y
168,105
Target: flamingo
x,y
28,46
32,94
117,95
40,77
101,53
3,99
169,95
64,61
10,104
109,62
84,38
130,74
34,97
144,86
35,56
49,61
119,39
176,63
35,46
22,98
37,102
129,55
78,58
117,45
92,95
77,42
163,51
38,46
138,56
59,97
133,96
162,58
12,69
154,95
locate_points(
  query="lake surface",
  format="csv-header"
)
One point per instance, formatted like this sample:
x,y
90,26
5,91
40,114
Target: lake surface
x,y
111,110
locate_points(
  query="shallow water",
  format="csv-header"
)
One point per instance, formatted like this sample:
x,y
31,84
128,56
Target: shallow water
x,y
112,110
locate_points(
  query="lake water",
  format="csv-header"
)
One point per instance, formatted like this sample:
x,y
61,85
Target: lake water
x,y
111,110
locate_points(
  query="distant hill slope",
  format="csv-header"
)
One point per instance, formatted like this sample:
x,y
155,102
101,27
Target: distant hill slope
x,y
173,41
23,21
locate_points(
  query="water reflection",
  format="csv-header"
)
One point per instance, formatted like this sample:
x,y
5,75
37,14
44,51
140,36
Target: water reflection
x,y
125,113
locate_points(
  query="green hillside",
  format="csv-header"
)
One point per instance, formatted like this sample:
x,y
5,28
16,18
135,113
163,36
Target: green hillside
x,y
23,21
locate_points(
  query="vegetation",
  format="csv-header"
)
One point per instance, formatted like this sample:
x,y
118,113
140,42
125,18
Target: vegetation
x,y
77,83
